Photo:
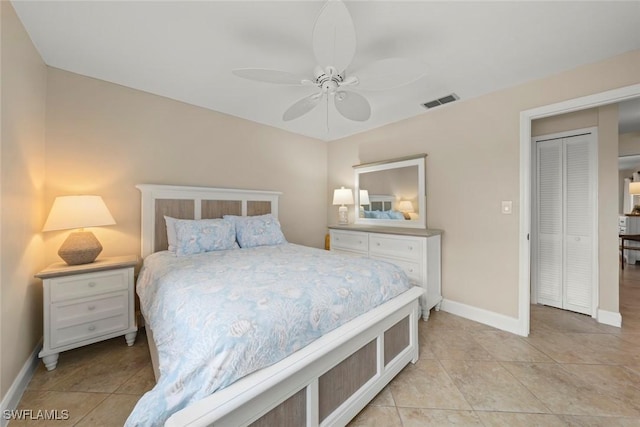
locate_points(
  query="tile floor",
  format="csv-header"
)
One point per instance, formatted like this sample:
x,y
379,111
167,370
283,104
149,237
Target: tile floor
x,y
571,371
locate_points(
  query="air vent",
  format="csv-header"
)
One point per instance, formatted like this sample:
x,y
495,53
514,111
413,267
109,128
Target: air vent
x,y
441,101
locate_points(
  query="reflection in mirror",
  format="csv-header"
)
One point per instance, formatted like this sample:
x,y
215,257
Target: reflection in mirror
x,y
392,193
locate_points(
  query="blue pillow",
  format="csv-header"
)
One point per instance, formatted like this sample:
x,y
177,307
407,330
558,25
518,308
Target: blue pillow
x,y
262,230
395,215
203,235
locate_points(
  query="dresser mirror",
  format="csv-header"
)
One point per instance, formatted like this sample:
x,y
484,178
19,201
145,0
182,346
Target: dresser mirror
x,y
391,193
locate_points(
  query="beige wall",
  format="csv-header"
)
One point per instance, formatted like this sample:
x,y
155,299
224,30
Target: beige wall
x,y
104,139
472,165
21,195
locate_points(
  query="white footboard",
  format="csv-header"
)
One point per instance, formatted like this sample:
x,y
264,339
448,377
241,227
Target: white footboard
x,y
324,384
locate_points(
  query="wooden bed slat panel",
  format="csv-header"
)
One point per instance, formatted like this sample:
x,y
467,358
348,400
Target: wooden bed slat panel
x,y
220,208
396,339
175,208
344,379
255,207
290,413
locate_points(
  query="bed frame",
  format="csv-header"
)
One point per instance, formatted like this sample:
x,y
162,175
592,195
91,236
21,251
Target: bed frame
x,y
324,384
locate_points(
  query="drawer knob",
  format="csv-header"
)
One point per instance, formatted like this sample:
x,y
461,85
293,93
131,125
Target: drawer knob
x,y
411,270
378,244
92,328
91,307
410,248
92,284
360,241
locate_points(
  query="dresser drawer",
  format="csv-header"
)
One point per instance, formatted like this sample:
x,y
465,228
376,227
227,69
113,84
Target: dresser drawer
x,y
406,248
411,269
64,315
84,285
85,331
349,241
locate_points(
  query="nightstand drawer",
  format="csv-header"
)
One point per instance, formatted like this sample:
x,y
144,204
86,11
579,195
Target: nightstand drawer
x,y
344,240
85,331
64,315
84,285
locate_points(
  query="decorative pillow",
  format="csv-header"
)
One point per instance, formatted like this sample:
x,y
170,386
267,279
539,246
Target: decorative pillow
x,y
396,215
171,233
203,235
262,230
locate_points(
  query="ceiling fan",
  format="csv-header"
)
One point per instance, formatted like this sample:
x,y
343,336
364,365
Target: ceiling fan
x,y
334,45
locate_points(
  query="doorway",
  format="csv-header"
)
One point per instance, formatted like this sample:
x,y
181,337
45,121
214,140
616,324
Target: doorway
x,y
601,99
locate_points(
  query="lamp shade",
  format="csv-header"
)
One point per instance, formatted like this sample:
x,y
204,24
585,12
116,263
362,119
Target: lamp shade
x,y
364,197
634,187
405,206
81,211
342,196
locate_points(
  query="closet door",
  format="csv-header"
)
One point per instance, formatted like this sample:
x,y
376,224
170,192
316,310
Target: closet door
x,y
579,205
549,266
565,240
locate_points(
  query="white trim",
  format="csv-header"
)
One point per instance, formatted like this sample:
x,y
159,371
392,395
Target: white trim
x,y
19,385
497,320
610,318
596,100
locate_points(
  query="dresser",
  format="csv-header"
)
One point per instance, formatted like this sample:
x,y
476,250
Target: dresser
x,y
84,304
416,251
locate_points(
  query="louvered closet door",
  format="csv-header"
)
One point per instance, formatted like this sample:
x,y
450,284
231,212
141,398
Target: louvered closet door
x,y
548,266
578,224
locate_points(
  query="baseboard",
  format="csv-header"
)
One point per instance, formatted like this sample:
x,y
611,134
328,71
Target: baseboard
x,y
15,392
490,318
610,318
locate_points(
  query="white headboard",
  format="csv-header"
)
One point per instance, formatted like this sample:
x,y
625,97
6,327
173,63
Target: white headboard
x,y
195,203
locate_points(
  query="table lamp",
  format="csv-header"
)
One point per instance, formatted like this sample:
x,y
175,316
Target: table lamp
x,y
343,196
78,212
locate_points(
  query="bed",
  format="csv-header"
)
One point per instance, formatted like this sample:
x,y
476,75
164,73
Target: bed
x,y
324,382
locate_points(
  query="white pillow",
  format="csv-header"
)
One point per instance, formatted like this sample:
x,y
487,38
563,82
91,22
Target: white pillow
x,y
171,233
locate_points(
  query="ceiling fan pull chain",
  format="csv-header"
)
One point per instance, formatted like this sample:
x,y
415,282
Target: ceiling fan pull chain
x,y
327,115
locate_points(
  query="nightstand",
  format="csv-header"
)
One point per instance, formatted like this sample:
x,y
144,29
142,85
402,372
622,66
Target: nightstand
x,y
87,303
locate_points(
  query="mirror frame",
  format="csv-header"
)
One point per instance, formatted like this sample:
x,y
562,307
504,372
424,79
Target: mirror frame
x,y
417,160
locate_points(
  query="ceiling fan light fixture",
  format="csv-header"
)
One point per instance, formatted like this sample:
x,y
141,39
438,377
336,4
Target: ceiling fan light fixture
x,y
334,45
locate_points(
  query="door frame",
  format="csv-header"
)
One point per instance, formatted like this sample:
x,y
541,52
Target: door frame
x,y
524,263
593,189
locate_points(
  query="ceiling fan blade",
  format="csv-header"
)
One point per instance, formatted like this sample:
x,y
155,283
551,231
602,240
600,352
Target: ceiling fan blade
x,y
352,105
269,76
302,107
334,37
390,73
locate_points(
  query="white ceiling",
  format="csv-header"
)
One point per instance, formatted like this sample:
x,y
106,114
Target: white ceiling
x,y
186,50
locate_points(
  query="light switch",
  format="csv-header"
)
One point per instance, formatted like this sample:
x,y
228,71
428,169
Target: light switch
x,y
507,206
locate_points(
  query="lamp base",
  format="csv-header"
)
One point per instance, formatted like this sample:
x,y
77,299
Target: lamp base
x,y
343,215
81,247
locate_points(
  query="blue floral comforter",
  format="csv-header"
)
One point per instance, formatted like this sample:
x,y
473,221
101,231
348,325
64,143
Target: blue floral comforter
x,y
218,316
